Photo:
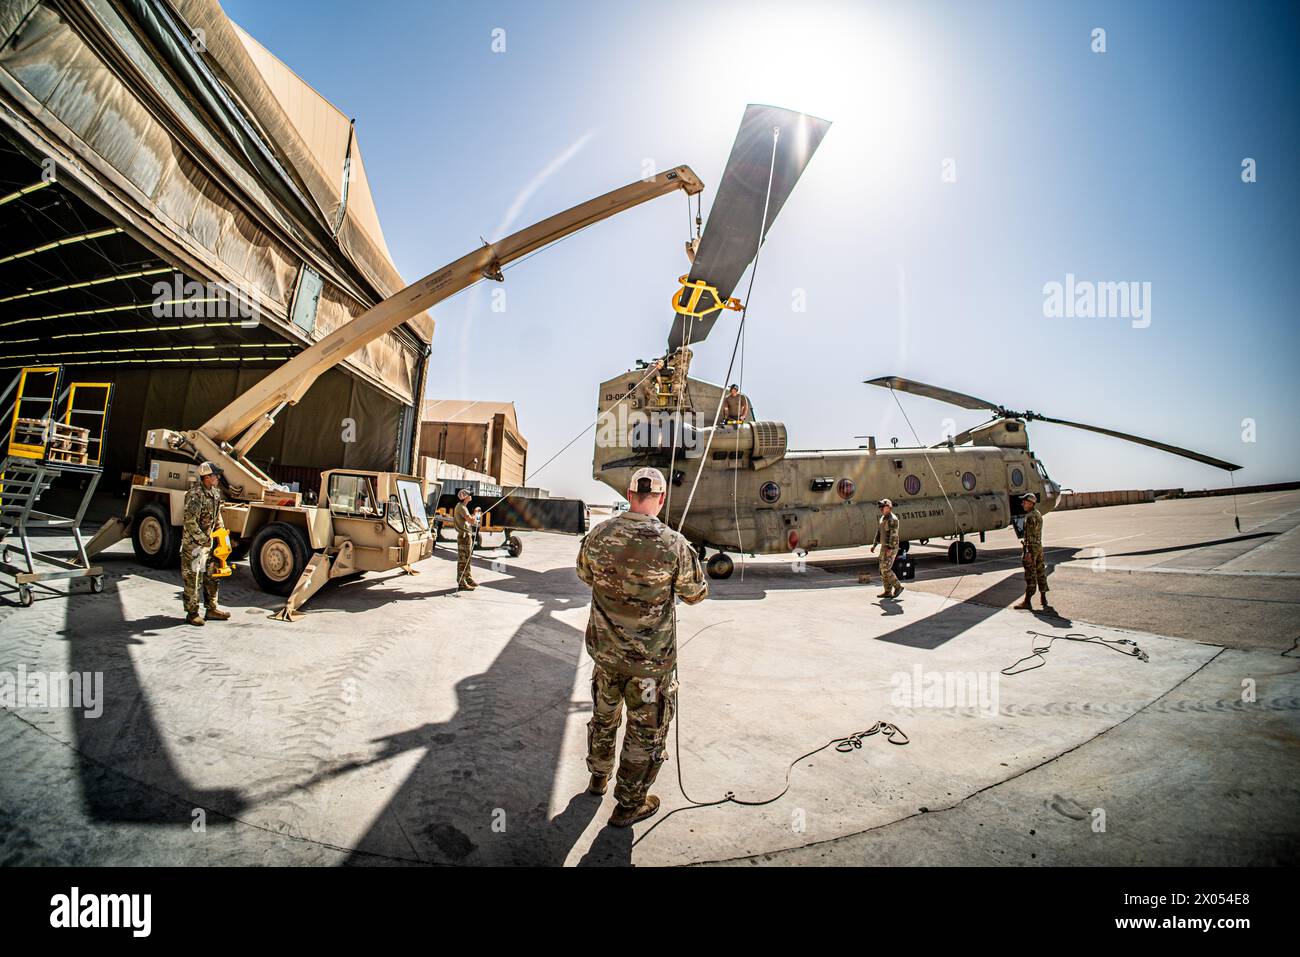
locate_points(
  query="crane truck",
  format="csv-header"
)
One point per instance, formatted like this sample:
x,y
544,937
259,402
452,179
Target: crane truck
x,y
363,520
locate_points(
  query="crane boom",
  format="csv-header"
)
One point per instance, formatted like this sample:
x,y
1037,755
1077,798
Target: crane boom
x,y
250,415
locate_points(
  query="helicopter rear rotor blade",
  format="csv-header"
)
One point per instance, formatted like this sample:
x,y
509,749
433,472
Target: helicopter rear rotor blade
x,y
736,227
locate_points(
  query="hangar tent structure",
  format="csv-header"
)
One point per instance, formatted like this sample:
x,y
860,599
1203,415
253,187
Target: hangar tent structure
x,y
179,214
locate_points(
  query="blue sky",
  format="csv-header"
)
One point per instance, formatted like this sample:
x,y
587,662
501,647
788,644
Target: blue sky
x,y
1123,166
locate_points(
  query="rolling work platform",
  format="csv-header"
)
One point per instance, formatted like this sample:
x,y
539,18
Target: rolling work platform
x,y
52,430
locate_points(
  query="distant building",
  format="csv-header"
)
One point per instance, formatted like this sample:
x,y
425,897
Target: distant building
x,y
480,436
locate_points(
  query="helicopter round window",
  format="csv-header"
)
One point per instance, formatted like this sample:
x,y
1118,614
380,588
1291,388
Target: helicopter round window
x,y
769,492
968,481
1017,477
912,484
846,489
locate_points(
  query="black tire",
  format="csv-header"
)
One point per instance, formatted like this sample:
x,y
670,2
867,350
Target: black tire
x,y
514,546
952,552
966,553
157,542
720,566
277,557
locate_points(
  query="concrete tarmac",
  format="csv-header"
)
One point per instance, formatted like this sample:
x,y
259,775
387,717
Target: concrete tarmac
x,y
401,722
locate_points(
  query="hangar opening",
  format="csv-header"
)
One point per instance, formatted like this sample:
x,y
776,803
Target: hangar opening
x,y
180,217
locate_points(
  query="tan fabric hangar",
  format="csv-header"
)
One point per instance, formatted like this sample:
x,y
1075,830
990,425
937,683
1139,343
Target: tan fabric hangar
x,y
180,213
481,436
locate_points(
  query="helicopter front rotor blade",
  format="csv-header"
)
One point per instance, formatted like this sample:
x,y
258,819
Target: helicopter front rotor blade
x,y
1150,443
936,392
736,226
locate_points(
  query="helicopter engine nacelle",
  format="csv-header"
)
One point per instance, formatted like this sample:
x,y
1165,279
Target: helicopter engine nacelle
x,y
764,443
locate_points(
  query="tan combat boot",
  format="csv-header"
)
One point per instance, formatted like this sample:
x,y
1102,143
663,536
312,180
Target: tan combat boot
x,y
1046,606
898,589
599,783
194,618
1024,605
214,613
627,816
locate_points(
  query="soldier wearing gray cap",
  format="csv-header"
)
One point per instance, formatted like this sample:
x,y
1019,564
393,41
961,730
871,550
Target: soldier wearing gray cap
x,y
887,538
1031,555
637,568
202,518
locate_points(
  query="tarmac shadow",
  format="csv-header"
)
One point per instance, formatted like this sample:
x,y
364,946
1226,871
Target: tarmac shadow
x,y
611,848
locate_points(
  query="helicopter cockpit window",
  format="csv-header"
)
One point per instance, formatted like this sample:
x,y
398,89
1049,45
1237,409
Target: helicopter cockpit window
x,y
1042,472
353,495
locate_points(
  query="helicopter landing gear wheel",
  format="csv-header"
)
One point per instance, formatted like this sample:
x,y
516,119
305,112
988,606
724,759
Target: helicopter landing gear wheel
x,y
965,552
514,546
720,566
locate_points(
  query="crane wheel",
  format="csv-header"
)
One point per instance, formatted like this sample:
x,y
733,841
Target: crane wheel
x,y
277,557
720,566
157,542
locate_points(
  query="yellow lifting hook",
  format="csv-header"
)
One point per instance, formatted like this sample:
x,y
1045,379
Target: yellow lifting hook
x,y
220,552
698,289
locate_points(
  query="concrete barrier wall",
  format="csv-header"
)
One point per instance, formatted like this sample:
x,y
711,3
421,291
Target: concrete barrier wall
x,y
1102,499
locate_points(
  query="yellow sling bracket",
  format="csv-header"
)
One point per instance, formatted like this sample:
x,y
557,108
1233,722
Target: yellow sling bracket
x,y
697,291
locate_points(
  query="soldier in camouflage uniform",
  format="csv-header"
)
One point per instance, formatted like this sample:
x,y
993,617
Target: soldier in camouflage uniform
x,y
202,518
465,523
1032,554
637,568
887,538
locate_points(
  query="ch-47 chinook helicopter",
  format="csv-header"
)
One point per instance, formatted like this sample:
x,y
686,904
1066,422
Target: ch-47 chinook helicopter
x,y
739,486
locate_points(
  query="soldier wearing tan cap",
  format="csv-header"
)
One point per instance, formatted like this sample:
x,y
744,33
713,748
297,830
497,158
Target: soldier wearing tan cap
x,y
202,518
637,568
887,538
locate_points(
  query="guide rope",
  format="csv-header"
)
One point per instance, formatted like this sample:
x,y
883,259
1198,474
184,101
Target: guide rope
x,y
1040,650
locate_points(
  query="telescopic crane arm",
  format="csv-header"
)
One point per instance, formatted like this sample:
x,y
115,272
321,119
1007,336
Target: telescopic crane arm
x,y
227,437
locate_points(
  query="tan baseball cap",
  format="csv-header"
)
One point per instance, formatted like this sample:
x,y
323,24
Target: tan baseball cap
x,y
207,468
654,477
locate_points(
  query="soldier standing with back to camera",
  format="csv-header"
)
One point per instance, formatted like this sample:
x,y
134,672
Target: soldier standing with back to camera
x,y
202,518
1032,554
637,568
887,537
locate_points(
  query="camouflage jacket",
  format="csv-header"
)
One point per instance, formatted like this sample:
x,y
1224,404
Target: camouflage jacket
x,y
887,533
1033,530
637,567
202,516
463,519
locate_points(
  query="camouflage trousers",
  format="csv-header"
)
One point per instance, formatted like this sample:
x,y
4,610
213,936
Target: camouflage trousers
x,y
1035,570
651,703
464,552
194,573
887,576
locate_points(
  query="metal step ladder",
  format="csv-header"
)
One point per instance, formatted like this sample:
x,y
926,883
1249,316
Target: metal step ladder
x,y
52,430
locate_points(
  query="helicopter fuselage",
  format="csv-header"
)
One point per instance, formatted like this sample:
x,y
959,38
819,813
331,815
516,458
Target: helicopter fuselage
x,y
742,490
